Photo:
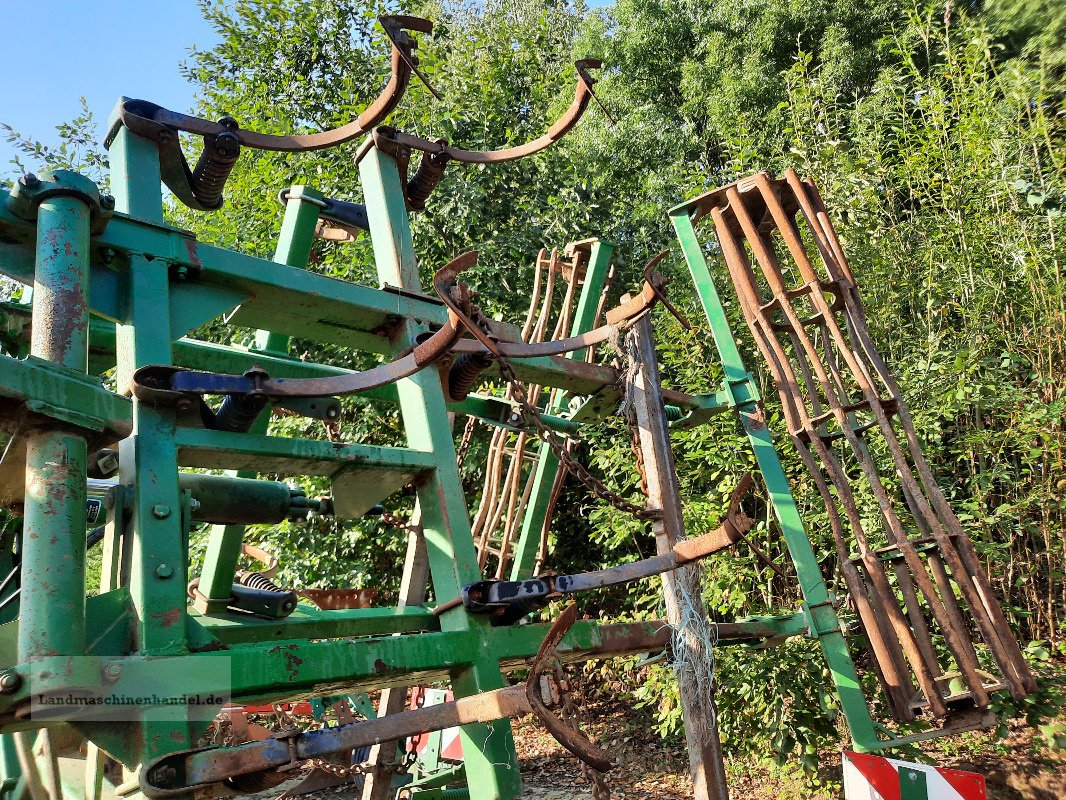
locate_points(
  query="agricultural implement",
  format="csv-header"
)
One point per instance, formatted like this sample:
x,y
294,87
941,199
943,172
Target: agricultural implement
x,y
179,435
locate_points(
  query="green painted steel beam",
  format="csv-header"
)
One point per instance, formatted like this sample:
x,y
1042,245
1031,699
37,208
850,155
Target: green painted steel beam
x,y
52,603
202,448
62,394
488,749
307,622
155,544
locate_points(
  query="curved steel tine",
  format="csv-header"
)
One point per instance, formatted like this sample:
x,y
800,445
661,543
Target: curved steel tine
x,y
571,738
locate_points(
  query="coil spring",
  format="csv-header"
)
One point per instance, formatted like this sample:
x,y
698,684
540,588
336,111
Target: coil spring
x,y
239,411
465,372
257,580
424,181
214,166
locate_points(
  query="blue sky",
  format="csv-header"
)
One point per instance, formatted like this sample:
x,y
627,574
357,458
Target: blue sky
x,y
57,51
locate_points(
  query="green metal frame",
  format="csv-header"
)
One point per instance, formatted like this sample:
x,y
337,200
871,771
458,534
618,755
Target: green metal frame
x,y
146,285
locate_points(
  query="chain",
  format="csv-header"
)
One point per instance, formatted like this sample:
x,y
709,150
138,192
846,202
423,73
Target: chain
x,y
363,768
464,443
595,485
596,779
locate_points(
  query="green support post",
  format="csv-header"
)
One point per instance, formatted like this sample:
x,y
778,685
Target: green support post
x,y
547,469
224,545
154,564
739,385
489,752
52,605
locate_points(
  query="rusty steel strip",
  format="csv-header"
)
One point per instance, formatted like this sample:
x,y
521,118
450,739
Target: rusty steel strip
x,y
148,119
583,93
835,387
628,311
181,772
201,187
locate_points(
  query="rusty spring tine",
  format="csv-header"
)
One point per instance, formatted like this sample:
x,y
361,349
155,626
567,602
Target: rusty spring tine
x,y
839,477
540,330
486,483
489,492
515,522
915,615
902,693
869,469
538,278
513,472
825,224
1007,654
947,592
511,495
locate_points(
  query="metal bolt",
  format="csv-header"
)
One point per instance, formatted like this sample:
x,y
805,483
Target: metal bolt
x,y
160,511
164,571
107,254
107,202
112,672
30,181
9,682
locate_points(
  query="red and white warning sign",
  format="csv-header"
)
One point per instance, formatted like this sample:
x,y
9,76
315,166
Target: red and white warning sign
x,y
869,777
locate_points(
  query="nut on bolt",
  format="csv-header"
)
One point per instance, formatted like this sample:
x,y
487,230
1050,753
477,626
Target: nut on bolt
x,y
30,181
10,682
160,511
112,672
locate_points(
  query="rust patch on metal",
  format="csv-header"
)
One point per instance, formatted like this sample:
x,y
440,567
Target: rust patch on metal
x,y
169,618
194,258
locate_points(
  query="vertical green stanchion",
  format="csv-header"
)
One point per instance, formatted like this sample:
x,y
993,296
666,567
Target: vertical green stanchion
x,y
488,750
154,565
547,464
52,605
818,606
224,545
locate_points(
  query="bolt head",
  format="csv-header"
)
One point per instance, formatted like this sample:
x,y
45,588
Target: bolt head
x,y
9,682
160,511
112,672
30,181
164,571
107,202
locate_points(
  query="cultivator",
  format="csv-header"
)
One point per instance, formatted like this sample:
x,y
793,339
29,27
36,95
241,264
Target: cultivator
x,y
135,673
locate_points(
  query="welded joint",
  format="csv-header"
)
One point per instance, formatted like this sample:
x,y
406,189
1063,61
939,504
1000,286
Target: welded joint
x,y
821,618
31,190
739,391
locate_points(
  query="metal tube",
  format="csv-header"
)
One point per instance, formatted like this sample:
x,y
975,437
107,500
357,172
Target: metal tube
x,y
52,615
